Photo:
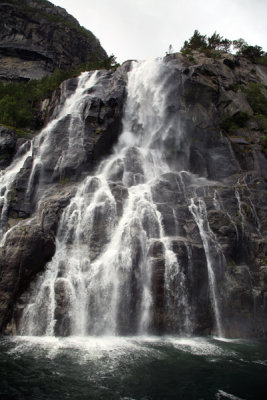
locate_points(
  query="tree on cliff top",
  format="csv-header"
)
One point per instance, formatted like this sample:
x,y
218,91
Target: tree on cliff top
x,y
203,43
216,42
253,53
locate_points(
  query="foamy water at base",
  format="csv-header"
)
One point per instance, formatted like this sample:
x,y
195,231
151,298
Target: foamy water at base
x,y
136,368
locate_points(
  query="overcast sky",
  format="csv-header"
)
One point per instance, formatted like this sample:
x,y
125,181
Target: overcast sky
x,y
140,29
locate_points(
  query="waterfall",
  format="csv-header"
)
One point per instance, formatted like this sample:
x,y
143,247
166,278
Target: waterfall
x,y
7,179
199,213
46,145
112,246
43,147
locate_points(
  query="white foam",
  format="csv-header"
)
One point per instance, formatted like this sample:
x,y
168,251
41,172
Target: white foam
x,y
198,346
224,395
114,347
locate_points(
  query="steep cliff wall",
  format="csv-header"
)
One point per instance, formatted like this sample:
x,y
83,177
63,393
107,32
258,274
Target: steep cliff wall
x,y
211,200
36,37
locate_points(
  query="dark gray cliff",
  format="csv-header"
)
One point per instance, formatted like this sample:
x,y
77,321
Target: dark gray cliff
x,y
36,37
224,152
233,155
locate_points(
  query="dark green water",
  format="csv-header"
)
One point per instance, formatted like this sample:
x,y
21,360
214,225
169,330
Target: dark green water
x,y
132,368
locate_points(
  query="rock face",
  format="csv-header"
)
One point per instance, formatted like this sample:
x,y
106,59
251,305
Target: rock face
x,y
38,248
7,146
210,203
36,37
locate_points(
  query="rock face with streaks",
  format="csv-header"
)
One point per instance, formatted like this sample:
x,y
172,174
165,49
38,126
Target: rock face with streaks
x,y
167,232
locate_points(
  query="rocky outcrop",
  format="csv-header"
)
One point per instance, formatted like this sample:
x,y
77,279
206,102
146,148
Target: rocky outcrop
x,y
235,212
36,37
26,252
8,141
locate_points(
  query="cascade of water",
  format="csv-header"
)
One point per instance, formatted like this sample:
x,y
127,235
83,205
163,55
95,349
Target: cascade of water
x,y
241,214
216,200
92,270
100,279
177,306
45,144
7,179
199,213
253,211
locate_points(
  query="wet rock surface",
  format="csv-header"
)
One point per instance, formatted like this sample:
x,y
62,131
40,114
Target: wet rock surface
x,y
27,249
99,126
7,146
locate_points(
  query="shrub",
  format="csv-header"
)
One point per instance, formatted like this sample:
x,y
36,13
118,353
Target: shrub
x,y
262,60
256,99
253,53
234,86
262,122
208,45
217,43
232,123
263,143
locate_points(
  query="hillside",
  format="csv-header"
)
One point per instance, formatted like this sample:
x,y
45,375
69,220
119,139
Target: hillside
x,y
37,37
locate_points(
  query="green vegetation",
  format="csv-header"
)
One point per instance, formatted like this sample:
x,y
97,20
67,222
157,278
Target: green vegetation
x,y
64,181
208,45
253,53
263,143
213,46
19,101
15,109
262,60
232,123
18,132
258,102
256,98
234,86
232,263
262,123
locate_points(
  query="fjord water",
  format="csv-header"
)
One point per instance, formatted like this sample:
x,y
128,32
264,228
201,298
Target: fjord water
x,y
97,291
131,368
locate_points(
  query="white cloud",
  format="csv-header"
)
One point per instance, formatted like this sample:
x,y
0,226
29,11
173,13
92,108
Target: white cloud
x,y
145,28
